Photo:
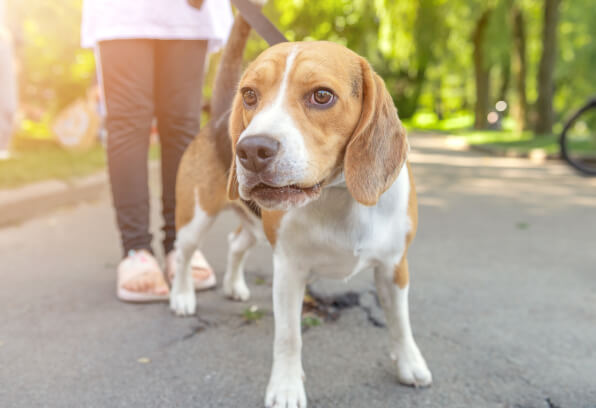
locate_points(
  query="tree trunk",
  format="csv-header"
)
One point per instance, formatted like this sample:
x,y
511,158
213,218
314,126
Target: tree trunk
x,y
544,104
438,101
505,79
409,89
482,72
520,110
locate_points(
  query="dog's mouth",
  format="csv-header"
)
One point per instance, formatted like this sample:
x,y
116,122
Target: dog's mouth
x,y
289,196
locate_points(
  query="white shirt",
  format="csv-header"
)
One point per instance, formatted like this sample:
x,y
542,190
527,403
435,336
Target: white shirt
x,y
155,19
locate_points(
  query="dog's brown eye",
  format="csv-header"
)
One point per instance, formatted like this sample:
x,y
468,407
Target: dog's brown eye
x,y
322,97
250,97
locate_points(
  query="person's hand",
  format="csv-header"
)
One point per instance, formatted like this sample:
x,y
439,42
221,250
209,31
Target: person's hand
x,y
195,3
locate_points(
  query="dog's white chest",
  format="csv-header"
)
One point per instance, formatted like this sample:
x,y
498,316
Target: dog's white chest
x,y
337,237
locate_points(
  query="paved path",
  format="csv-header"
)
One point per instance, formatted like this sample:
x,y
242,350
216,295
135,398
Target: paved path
x,y
503,306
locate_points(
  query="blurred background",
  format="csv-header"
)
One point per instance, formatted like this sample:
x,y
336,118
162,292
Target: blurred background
x,y
500,73
503,267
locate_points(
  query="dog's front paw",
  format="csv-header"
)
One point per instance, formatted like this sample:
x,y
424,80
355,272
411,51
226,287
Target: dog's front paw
x,y
285,392
411,367
183,303
236,290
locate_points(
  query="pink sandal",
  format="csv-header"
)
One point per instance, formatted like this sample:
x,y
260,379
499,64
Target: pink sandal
x,y
202,273
141,266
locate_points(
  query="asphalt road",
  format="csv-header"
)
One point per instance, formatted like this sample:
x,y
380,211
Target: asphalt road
x,y
503,306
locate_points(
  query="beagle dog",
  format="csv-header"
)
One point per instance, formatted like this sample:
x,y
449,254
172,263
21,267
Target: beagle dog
x,y
313,157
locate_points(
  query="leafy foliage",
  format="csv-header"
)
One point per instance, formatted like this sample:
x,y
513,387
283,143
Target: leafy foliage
x,y
54,70
422,48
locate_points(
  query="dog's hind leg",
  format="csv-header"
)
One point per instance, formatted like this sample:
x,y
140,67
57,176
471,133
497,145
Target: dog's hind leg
x,y
393,294
234,284
188,239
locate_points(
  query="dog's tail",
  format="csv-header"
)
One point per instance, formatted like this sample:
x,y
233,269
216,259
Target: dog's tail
x,y
229,69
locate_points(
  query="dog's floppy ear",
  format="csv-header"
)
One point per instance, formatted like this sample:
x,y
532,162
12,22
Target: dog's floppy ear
x,y
378,147
235,127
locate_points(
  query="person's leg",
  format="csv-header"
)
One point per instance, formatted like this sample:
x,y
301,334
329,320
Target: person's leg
x,y
128,82
178,87
127,70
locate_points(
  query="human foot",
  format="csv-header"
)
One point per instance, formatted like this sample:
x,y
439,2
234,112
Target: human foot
x,y
202,274
140,279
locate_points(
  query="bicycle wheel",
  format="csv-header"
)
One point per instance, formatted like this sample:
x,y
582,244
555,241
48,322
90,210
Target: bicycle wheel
x,y
578,139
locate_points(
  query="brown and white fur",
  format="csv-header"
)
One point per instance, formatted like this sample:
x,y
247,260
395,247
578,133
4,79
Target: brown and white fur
x,y
334,196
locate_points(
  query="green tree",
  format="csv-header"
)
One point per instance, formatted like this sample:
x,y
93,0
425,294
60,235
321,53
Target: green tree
x,y
576,57
519,66
54,70
481,70
544,104
435,55
400,39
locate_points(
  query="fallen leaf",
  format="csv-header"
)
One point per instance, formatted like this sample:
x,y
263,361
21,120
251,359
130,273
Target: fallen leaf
x,y
309,300
310,321
252,314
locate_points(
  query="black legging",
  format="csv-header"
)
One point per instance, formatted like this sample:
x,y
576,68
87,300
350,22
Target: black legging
x,y
143,79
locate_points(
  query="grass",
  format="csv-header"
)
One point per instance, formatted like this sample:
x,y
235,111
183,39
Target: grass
x,y
429,121
508,141
252,314
48,161
459,131
38,160
310,321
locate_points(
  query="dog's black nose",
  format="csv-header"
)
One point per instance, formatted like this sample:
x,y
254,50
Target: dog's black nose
x,y
256,152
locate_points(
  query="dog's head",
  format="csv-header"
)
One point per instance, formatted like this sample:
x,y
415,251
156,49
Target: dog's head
x,y
306,112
